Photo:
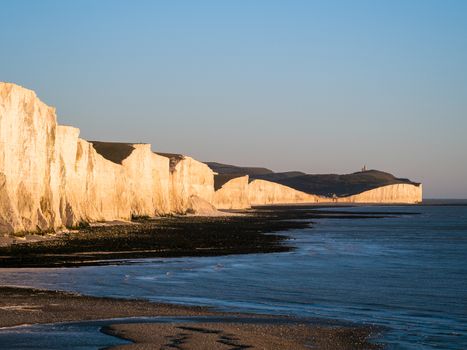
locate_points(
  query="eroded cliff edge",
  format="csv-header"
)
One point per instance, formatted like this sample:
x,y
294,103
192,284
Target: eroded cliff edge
x,y
50,178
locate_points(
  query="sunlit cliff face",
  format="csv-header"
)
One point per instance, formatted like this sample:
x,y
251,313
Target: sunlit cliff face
x,y
50,178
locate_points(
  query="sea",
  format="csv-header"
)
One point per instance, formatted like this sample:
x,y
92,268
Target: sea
x,y
405,274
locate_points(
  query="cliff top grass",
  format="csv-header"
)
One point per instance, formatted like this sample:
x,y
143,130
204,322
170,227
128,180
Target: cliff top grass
x,y
116,152
237,170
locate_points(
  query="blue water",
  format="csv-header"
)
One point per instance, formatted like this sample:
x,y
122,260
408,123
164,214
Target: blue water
x,y
71,335
407,273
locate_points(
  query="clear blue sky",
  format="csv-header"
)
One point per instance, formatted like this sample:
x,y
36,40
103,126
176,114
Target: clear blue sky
x,y
318,86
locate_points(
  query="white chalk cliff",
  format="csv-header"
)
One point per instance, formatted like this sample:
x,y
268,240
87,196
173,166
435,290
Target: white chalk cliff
x,y
262,192
188,178
232,192
395,194
50,178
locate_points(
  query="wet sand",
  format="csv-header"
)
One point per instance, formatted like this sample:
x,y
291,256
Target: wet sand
x,y
233,336
20,306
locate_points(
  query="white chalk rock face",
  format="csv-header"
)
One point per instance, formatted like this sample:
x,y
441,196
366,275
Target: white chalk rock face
x,y
265,193
397,193
27,150
50,178
199,207
144,173
231,192
262,192
188,177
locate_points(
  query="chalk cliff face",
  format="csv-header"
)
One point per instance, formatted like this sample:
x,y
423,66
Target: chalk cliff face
x,y
231,192
366,186
91,187
262,192
50,178
149,179
398,193
27,151
188,178
145,175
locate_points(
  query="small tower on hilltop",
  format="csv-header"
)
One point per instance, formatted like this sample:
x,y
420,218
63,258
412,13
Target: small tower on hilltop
x,y
364,168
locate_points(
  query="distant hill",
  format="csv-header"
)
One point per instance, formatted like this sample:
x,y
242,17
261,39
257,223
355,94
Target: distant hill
x,y
320,184
276,177
221,179
340,185
232,169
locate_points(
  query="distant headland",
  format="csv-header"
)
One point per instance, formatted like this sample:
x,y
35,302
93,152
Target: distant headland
x,y
50,178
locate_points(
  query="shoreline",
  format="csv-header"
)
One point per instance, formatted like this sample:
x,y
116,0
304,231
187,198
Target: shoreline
x,y
261,230
180,236
213,330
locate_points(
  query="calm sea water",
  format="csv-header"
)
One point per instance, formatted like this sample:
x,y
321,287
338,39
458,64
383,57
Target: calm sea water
x,y
407,273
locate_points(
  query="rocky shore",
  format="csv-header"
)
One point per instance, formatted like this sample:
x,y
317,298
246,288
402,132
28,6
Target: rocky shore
x,y
169,237
20,306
